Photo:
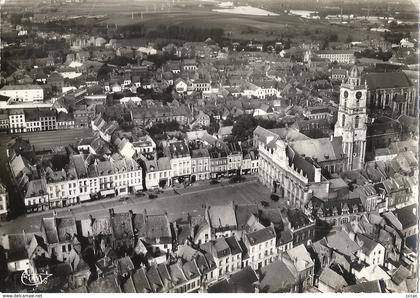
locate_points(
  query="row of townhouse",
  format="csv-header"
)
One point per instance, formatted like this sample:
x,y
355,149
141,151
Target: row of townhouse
x,y
169,257
260,90
83,180
33,119
29,120
188,86
222,159
180,163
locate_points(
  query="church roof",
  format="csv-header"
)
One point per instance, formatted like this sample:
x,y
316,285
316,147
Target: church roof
x,y
378,80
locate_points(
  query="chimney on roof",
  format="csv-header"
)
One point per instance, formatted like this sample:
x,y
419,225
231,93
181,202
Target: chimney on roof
x,y
145,211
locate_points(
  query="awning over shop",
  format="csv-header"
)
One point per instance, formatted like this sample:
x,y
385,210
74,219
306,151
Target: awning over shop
x,y
84,198
138,187
107,192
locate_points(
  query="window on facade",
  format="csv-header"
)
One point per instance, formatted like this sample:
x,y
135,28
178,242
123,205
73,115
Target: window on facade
x,y
343,120
356,122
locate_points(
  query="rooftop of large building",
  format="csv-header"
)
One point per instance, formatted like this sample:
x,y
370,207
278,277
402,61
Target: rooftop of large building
x,y
21,87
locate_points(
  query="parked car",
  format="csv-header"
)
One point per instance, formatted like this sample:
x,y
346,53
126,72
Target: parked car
x,y
123,199
140,194
214,181
152,196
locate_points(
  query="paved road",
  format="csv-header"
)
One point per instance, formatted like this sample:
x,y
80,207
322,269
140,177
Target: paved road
x,y
177,206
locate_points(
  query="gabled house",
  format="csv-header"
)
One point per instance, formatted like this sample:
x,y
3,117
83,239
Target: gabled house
x,y
222,220
60,237
122,231
371,252
330,281
261,247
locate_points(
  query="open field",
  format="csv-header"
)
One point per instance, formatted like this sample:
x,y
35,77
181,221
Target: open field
x,y
236,26
246,10
49,139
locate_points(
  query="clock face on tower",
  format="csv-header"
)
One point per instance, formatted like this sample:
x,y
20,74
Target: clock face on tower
x,y
346,94
358,94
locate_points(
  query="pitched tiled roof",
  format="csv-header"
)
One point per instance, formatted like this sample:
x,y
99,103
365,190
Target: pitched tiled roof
x,y
17,247
177,274
276,277
154,278
243,212
140,281
50,228
124,265
122,226
233,245
322,149
366,244
158,227
380,80
261,236
407,216
66,227
107,284
300,256
365,287
300,164
101,226
332,279
222,215
340,241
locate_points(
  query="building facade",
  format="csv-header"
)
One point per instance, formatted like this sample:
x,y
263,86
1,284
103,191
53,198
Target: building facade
x,y
4,202
24,93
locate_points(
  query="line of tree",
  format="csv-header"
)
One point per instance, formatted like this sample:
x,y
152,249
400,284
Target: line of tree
x,y
186,33
244,126
375,54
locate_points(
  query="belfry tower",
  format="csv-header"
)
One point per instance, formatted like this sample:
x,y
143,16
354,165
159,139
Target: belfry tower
x,y
352,119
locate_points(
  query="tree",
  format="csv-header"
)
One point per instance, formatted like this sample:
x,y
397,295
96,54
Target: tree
x,y
244,127
333,37
161,127
214,126
103,73
227,122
